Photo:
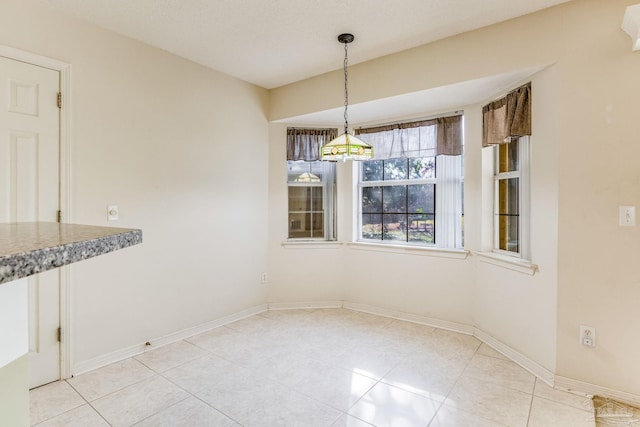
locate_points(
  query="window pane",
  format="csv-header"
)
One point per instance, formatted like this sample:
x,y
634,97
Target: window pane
x,y
319,168
508,196
316,199
421,198
422,168
299,199
508,214
421,228
372,170
508,233
372,200
508,157
311,189
394,199
299,171
372,226
295,169
462,224
299,225
395,169
394,227
317,223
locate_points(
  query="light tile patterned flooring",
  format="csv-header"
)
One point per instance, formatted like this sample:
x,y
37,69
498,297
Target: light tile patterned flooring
x,y
322,367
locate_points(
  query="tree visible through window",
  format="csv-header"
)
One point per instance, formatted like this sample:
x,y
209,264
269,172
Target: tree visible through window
x,y
398,200
411,192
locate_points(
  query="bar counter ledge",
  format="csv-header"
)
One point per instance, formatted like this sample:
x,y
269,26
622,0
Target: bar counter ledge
x,y
28,248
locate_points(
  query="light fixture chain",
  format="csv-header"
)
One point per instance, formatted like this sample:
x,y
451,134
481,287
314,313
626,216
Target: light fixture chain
x,y
346,90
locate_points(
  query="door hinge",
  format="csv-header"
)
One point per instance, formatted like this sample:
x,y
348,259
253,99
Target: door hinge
x,y
59,334
59,216
59,100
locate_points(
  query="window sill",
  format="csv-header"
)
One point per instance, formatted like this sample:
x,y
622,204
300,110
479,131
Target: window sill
x,y
311,244
510,263
411,250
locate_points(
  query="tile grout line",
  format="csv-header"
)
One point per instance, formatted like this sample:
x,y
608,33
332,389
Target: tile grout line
x,y
88,403
197,397
531,403
456,383
341,412
156,413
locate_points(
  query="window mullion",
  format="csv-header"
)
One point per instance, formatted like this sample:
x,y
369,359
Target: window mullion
x,y
508,175
395,182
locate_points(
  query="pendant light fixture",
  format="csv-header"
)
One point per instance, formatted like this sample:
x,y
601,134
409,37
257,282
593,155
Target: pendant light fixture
x,y
346,146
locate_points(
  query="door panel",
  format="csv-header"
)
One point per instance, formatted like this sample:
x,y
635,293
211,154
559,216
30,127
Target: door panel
x,y
29,191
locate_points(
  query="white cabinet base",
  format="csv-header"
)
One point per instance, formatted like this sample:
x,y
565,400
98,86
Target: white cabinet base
x,y
14,321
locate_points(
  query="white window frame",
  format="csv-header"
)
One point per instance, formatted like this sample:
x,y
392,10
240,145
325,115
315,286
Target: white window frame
x,y
328,184
448,204
524,200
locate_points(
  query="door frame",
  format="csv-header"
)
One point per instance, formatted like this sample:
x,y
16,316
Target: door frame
x,y
64,193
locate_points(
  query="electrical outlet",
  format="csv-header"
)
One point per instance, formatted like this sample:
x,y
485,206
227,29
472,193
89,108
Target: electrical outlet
x,y
587,336
264,278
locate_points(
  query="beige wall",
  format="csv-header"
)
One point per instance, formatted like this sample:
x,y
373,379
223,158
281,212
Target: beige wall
x,y
166,140
598,260
299,275
584,155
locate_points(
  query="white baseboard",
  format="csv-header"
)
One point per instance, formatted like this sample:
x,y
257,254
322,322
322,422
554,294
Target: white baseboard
x,y
303,305
414,318
106,359
534,367
134,350
593,389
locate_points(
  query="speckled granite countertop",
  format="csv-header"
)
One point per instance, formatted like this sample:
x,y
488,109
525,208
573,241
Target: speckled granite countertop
x,y
28,248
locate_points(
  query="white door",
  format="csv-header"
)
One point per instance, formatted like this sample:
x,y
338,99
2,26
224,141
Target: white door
x,y
29,191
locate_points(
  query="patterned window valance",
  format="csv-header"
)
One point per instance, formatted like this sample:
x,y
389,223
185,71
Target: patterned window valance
x,y
507,118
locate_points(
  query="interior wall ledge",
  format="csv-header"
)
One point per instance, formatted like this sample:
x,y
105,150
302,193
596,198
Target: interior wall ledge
x,y
508,262
631,25
411,250
311,244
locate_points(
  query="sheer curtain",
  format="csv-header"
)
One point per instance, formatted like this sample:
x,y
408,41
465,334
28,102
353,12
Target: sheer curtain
x,y
426,138
305,144
449,200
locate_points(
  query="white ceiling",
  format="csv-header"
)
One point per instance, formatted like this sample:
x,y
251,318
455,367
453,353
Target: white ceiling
x,y
275,42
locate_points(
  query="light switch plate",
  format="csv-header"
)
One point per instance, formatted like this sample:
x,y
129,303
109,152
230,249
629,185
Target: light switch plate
x,y
627,216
